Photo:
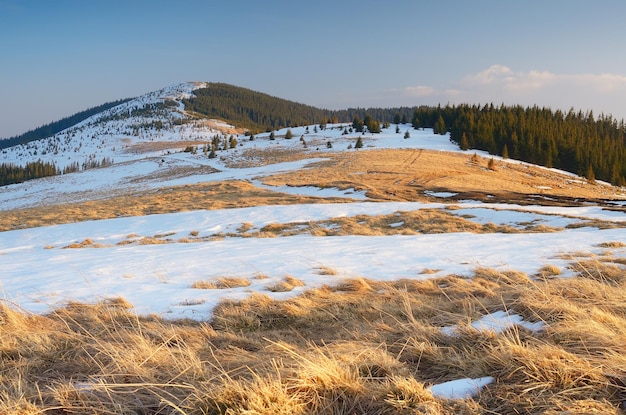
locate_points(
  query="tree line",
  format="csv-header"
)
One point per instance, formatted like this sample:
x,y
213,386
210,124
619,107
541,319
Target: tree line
x,y
11,174
259,112
52,128
572,141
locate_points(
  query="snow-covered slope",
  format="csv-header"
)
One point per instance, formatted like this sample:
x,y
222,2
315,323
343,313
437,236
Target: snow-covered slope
x,y
113,134
144,139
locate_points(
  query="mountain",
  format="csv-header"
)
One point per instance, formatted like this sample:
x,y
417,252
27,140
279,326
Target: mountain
x,y
54,127
194,113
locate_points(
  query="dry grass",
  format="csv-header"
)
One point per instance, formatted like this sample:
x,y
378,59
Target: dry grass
x,y
405,174
548,271
357,347
288,283
218,195
325,270
354,346
384,174
221,283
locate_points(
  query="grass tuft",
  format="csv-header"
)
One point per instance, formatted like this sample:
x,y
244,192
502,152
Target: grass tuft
x,y
356,347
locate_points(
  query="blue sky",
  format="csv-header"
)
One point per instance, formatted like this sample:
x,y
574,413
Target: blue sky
x,y
60,57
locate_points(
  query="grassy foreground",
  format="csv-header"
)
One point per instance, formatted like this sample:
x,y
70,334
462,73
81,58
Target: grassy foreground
x,y
360,347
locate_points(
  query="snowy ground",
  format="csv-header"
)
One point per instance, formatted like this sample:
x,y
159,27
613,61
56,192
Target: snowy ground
x,y
38,272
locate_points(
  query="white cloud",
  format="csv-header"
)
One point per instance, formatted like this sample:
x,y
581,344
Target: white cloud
x,y
501,84
420,91
494,74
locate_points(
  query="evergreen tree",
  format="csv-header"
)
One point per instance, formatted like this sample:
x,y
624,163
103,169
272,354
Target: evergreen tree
x,y
288,134
440,126
591,177
357,124
359,143
464,144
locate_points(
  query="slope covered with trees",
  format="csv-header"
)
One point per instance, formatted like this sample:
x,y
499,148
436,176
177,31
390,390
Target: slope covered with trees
x,y
253,110
10,174
573,141
54,127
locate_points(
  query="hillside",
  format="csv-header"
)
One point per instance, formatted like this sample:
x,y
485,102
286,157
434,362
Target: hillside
x,y
203,271
52,128
192,112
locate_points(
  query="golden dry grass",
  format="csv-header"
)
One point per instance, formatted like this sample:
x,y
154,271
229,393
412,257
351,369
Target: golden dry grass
x,y
356,347
288,283
401,175
221,283
405,174
217,195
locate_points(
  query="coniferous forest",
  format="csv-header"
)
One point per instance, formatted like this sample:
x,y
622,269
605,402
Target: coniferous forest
x,y
10,174
574,141
52,128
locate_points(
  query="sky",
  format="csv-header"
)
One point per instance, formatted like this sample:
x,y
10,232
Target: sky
x,y
61,57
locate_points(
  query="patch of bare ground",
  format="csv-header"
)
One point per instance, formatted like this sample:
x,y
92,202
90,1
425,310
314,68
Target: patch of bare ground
x,y
252,157
406,174
157,146
221,283
214,195
402,175
426,221
359,346
288,283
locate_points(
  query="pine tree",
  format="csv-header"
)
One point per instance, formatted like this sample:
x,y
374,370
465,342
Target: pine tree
x,y
591,177
288,134
440,126
464,144
359,143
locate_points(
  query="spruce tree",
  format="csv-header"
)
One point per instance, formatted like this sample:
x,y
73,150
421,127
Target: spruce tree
x,y
464,144
440,126
505,152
